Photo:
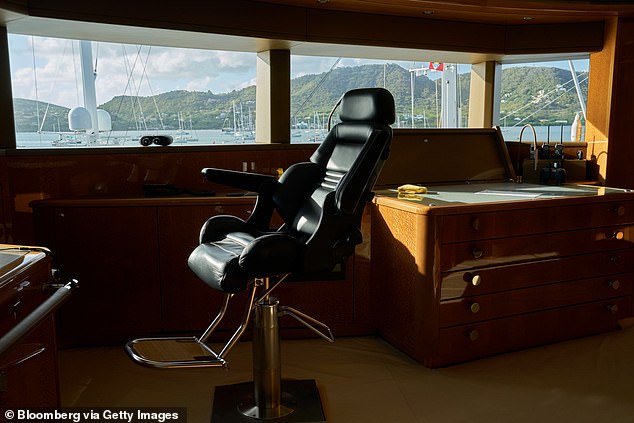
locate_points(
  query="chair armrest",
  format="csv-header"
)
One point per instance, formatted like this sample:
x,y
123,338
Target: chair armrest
x,y
217,227
243,180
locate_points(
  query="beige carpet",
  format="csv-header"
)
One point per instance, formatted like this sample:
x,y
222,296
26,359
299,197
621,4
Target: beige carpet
x,y
366,380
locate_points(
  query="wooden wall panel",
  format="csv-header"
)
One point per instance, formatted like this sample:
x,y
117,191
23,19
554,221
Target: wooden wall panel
x,y
528,39
369,29
235,17
33,175
262,20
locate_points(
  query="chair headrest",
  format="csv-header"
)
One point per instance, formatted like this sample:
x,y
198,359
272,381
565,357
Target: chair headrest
x,y
368,104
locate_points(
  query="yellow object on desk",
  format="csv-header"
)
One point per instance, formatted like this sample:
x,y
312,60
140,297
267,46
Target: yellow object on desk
x,y
411,191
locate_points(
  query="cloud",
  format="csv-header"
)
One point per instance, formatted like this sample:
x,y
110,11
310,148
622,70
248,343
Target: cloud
x,y
126,69
310,65
121,69
54,77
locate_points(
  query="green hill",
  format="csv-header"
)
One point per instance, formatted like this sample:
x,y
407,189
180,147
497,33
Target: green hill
x,y
524,89
538,95
26,112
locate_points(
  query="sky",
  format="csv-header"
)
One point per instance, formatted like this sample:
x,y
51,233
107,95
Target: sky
x,y
48,69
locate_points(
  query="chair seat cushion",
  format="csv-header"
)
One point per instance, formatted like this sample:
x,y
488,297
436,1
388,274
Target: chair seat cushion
x,y
223,264
217,264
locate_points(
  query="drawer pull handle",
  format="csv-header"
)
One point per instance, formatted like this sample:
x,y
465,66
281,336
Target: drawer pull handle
x,y
474,307
473,335
477,252
475,223
40,348
615,284
613,308
615,259
618,235
620,210
476,280
16,309
22,286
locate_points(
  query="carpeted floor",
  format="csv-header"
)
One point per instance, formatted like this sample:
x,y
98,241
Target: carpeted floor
x,y
366,380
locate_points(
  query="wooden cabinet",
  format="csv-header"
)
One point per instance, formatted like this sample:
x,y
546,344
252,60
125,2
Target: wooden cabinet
x,y
459,280
113,253
130,257
186,303
28,367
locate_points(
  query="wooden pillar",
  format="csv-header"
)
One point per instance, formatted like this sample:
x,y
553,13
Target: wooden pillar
x,y
610,112
620,150
272,99
7,140
7,124
482,95
598,110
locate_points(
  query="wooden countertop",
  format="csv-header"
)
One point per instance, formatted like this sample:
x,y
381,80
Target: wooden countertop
x,y
448,199
182,200
13,259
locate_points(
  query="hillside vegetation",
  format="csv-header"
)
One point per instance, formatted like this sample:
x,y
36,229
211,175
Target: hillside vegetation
x,y
527,97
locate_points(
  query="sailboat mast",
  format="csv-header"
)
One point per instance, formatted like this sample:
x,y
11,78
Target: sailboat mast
x,y
582,103
235,126
449,96
88,75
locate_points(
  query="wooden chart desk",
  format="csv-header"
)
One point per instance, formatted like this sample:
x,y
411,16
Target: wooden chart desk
x,y
28,356
467,271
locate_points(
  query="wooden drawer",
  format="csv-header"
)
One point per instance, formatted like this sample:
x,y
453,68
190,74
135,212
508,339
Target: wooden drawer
x,y
485,307
489,252
467,342
527,221
21,295
502,278
29,370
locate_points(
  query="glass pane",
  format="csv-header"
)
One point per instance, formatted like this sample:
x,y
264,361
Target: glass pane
x,y
195,97
546,96
421,102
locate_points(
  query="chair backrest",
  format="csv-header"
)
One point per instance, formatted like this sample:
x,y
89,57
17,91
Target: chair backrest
x,y
341,174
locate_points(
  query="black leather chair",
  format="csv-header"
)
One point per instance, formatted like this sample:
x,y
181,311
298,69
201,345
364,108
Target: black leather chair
x,y
321,204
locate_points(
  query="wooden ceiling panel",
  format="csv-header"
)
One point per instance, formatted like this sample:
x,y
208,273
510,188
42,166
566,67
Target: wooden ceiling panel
x,y
503,12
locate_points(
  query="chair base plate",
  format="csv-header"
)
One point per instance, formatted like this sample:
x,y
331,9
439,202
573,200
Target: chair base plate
x,y
300,395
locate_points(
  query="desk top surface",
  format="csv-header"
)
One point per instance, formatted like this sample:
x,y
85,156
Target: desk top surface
x,y
504,192
14,258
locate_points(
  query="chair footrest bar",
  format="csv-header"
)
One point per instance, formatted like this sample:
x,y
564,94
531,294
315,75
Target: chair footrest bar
x,y
173,352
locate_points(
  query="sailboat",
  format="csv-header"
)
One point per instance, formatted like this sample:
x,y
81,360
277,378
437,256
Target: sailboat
x,y
242,131
183,135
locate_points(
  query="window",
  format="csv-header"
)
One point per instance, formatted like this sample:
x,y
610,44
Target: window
x,y
547,96
133,93
417,87
197,97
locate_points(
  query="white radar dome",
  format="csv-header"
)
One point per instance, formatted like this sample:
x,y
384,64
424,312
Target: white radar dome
x,y
79,119
104,120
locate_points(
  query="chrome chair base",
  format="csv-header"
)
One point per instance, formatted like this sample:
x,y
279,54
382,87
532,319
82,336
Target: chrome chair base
x,y
236,404
268,397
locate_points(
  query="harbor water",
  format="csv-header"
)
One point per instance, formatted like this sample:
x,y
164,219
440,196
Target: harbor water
x,y
26,140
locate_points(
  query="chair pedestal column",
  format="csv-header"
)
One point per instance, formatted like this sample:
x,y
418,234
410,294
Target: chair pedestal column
x,y
267,366
267,397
